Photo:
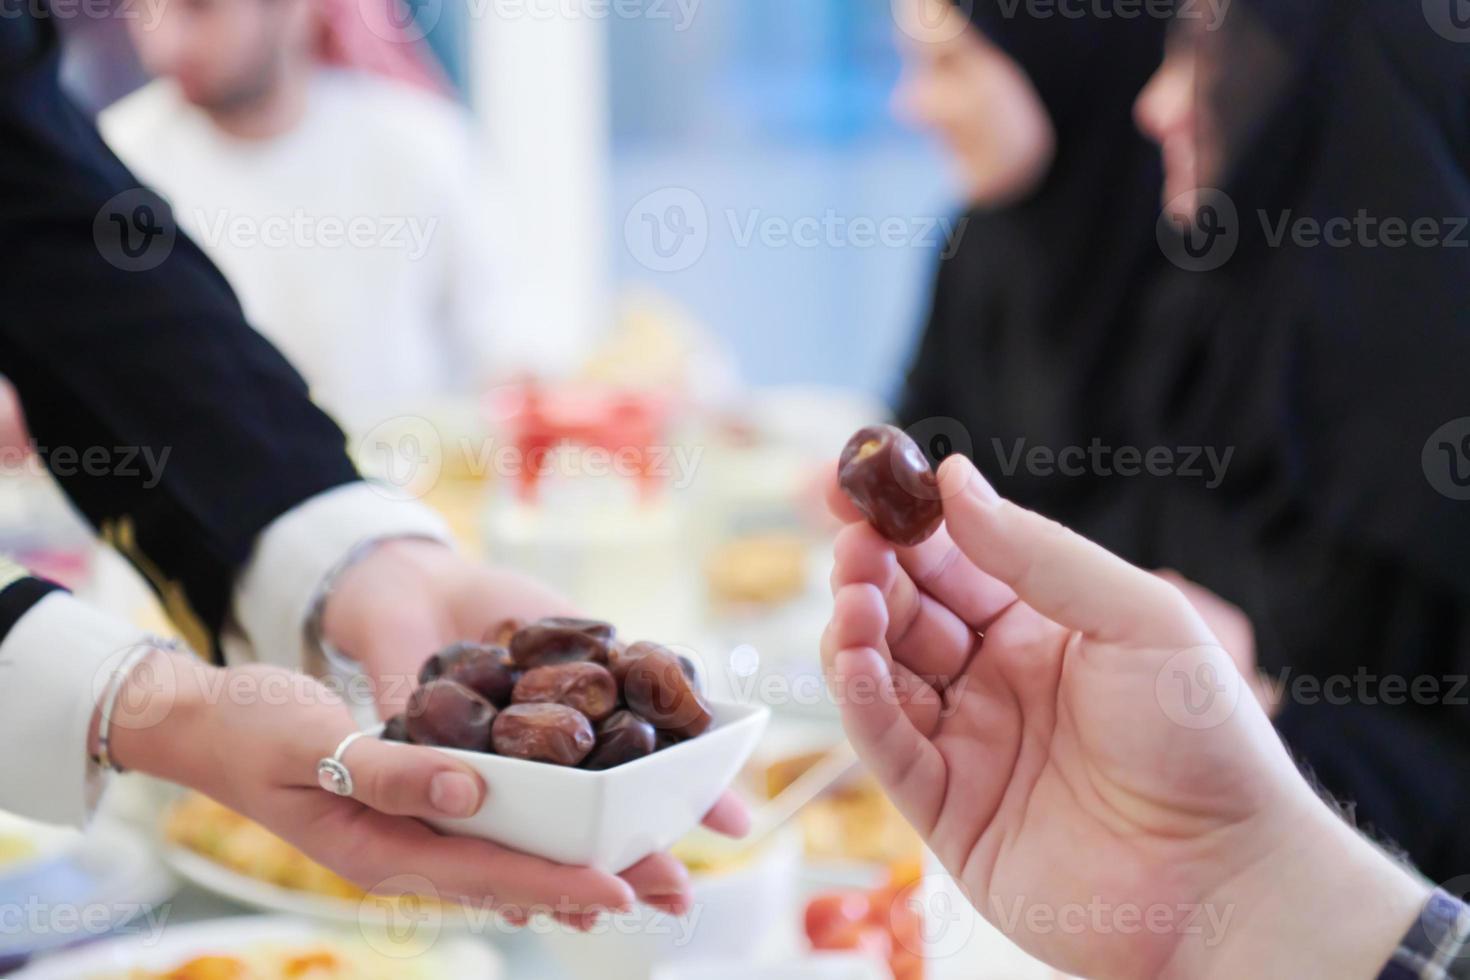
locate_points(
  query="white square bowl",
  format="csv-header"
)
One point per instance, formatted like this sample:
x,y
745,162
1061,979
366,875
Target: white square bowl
x,y
612,819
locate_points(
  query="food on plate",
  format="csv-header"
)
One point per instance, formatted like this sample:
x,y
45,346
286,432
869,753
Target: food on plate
x,y
579,697
15,848
543,732
587,687
658,687
223,836
763,569
886,475
885,923
449,715
484,669
560,640
853,821
621,738
317,961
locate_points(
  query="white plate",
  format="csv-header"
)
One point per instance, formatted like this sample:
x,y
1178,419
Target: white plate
x,y
49,844
457,957
256,894
107,878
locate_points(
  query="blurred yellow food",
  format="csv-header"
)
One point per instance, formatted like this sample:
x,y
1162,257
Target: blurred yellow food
x,y
15,847
222,835
326,961
764,569
853,821
705,857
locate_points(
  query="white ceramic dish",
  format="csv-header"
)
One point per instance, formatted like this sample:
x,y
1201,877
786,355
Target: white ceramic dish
x,y
457,957
739,915
612,819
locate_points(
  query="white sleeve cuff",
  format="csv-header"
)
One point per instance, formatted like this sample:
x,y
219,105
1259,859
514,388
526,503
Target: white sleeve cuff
x,y
54,667
295,554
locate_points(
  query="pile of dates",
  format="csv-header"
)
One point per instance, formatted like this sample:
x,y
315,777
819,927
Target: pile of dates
x,y
562,691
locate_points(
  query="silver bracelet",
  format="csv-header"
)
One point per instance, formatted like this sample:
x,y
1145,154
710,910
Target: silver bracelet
x,y
314,633
149,644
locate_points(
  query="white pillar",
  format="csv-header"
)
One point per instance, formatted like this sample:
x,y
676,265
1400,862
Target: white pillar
x,y
539,85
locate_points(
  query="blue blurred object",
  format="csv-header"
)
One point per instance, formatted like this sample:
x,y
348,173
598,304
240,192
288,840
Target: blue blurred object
x,y
775,115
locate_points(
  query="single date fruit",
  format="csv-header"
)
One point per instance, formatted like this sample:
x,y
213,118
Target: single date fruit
x,y
656,687
622,738
621,658
448,714
550,733
486,670
886,475
560,641
587,687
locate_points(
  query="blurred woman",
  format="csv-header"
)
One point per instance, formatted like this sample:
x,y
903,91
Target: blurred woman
x,y
1034,315
1327,345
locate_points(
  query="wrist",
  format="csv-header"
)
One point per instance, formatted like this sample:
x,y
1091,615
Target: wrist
x,y
337,621
159,715
1319,900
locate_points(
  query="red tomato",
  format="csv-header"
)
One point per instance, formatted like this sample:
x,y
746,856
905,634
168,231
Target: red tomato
x,y
835,918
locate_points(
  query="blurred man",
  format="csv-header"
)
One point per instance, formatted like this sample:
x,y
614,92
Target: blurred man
x,y
312,154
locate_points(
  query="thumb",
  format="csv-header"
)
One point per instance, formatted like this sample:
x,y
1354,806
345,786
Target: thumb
x,y
1060,574
412,781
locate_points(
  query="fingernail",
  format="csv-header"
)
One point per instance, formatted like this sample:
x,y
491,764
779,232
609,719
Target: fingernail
x,y
674,903
454,794
958,475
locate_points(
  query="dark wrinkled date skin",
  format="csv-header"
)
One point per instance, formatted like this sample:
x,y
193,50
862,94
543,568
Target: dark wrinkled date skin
x,y
621,658
396,730
656,687
560,641
622,738
587,687
885,474
448,714
550,733
484,669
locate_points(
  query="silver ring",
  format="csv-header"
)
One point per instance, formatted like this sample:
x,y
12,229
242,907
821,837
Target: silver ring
x,y
332,773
